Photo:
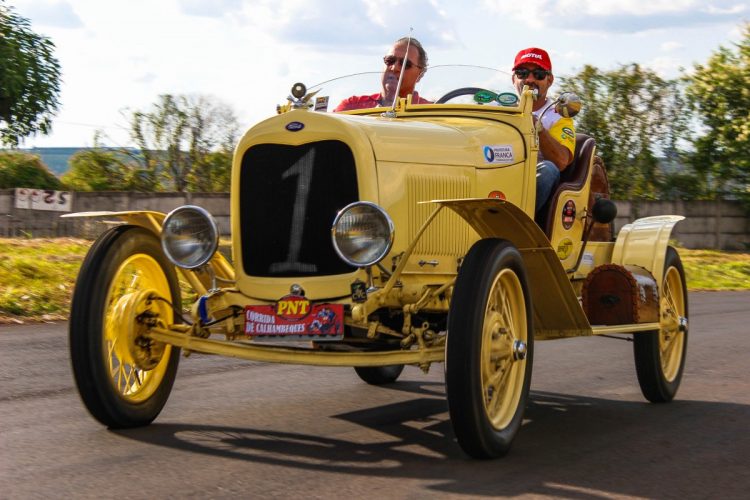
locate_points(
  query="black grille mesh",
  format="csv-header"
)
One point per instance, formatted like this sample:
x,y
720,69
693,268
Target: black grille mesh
x,y
289,196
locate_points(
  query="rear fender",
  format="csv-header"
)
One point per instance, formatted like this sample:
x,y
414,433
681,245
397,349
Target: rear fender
x,y
557,312
644,243
199,280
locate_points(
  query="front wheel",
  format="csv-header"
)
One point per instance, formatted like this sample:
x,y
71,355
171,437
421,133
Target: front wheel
x,y
660,355
489,349
123,377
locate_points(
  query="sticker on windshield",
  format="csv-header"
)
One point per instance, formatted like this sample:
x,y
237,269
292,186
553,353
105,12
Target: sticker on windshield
x,y
321,103
507,99
484,96
501,153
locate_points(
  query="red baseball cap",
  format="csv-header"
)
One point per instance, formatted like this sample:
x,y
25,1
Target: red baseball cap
x,y
533,55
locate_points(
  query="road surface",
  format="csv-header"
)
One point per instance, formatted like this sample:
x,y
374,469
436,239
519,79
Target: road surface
x,y
234,428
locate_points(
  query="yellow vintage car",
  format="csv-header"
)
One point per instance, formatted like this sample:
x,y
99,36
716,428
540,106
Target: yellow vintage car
x,y
380,238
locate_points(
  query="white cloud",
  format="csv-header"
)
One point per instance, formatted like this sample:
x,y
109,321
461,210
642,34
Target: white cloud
x,y
626,16
671,46
666,67
214,8
50,13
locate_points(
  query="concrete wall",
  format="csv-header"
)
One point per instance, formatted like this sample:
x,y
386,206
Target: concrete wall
x,y
709,224
42,223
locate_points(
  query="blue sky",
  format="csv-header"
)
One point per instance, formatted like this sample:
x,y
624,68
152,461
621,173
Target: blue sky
x,y
118,55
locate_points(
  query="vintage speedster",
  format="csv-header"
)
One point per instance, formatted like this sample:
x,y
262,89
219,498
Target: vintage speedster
x,y
381,238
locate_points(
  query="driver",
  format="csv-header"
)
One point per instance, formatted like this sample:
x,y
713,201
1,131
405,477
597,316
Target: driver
x,y
557,135
414,66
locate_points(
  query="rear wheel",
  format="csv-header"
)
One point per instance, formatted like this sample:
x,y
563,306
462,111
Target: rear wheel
x,y
489,349
660,355
379,375
123,377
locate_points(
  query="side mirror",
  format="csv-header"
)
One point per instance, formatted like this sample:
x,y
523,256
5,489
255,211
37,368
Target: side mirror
x,y
604,211
568,104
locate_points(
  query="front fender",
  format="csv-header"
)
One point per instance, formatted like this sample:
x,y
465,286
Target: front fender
x,y
644,243
144,218
153,221
557,312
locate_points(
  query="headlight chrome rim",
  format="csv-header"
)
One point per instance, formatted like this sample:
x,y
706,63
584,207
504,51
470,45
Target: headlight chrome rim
x,y
385,220
207,245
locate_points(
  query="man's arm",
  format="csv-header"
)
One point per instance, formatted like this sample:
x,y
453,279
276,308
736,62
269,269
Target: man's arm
x,y
554,151
559,142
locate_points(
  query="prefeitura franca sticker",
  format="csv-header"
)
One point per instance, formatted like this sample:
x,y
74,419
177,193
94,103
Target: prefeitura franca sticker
x,y
500,153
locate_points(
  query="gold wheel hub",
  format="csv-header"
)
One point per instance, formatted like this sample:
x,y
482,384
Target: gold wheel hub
x,y
133,314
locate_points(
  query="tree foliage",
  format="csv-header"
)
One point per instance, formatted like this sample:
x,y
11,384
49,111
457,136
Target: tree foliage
x,y
25,170
636,118
29,79
720,94
104,169
107,169
186,142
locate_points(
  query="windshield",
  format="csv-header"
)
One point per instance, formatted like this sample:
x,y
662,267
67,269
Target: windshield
x,y
454,84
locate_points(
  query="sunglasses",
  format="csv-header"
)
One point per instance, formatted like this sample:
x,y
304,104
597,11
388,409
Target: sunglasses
x,y
539,74
391,60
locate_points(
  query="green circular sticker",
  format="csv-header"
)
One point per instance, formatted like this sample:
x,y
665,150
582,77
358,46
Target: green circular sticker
x,y
484,96
507,99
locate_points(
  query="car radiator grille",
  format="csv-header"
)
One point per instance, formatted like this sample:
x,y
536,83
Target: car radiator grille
x,y
289,196
449,233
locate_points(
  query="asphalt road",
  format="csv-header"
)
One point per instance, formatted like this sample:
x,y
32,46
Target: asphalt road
x,y
238,429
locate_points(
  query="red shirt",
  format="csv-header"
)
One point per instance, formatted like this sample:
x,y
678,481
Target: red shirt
x,y
371,101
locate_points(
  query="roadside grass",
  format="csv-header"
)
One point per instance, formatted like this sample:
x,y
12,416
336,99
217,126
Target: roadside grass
x,y
37,275
715,270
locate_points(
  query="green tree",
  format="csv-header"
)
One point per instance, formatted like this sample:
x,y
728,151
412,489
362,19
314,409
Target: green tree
x,y
106,169
635,117
25,170
213,173
29,79
180,139
720,94
97,170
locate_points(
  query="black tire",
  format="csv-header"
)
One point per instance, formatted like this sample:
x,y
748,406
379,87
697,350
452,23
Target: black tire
x,y
122,383
487,397
379,375
660,355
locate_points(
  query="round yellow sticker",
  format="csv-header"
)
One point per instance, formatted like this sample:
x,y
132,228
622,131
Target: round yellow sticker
x,y
564,248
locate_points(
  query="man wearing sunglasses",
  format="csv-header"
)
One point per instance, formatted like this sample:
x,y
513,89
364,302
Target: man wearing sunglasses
x,y
414,66
557,137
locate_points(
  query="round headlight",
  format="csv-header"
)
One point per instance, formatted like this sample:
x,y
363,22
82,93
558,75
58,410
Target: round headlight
x,y
189,236
362,234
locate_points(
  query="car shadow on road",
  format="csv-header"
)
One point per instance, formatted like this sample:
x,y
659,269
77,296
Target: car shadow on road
x,y
577,447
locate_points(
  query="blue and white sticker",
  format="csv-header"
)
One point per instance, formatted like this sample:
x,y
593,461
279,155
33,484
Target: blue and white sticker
x,y
501,153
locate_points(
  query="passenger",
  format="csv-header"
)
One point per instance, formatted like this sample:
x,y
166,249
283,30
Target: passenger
x,y
415,66
557,136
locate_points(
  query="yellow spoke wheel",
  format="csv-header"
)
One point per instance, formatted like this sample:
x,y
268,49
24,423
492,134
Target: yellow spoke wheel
x,y
660,355
489,349
125,284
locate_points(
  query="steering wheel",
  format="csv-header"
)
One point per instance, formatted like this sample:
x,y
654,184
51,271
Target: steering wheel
x,y
458,93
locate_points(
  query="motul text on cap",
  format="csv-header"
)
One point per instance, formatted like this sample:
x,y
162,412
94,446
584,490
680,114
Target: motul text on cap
x,y
533,55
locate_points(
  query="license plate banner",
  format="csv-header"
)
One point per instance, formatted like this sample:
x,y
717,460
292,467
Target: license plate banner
x,y
299,319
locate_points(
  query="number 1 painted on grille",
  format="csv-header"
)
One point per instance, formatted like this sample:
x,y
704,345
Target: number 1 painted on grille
x,y
303,169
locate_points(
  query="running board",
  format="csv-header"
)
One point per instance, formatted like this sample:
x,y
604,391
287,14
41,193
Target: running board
x,y
612,329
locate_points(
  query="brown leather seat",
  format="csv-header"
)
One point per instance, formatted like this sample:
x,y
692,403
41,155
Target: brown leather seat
x,y
572,178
